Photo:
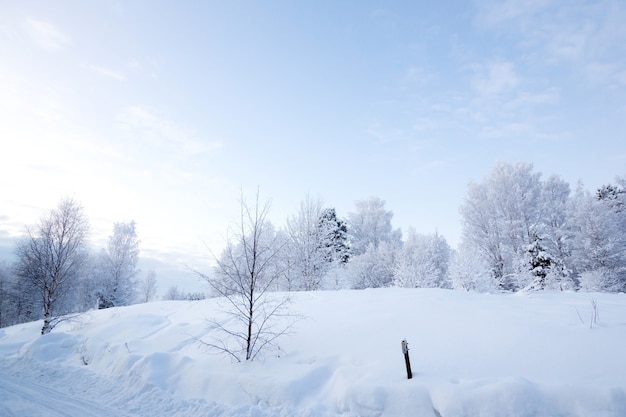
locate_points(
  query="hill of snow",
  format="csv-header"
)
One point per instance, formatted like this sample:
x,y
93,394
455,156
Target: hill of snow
x,y
472,355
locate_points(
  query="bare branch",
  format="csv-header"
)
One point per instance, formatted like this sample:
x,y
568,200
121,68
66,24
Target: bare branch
x,y
243,277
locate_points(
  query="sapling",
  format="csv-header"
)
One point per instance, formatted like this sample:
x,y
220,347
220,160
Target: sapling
x,y
595,316
594,313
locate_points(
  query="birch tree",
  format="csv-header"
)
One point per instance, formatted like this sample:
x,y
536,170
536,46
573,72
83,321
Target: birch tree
x,y
52,256
245,274
502,216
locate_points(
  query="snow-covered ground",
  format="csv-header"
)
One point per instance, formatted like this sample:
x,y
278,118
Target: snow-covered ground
x,y
472,355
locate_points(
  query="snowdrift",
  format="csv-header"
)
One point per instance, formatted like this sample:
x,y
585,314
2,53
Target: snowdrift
x,y
537,354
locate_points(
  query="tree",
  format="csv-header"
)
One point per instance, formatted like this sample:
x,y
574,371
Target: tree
x,y
52,256
556,235
244,276
7,310
374,245
148,287
469,270
599,247
317,244
370,224
375,268
119,267
423,262
173,294
19,298
538,263
307,259
333,237
502,215
613,196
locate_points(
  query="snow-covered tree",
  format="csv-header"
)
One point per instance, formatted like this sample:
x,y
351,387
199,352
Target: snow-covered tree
x,y
8,314
119,267
599,244
482,230
333,237
52,256
470,271
613,196
501,217
537,265
423,261
375,268
374,245
307,256
556,234
370,224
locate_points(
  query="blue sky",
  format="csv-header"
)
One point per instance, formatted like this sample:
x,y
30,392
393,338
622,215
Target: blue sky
x,y
162,112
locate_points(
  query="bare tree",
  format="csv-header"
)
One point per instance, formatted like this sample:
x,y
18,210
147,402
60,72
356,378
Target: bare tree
x,y
173,293
51,257
148,287
243,278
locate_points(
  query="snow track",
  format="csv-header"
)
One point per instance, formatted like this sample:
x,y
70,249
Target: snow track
x,y
19,398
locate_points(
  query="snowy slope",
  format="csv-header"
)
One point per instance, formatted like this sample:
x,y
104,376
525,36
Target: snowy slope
x,y
472,355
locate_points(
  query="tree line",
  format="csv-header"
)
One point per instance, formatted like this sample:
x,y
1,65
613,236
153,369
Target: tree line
x,y
524,232
57,272
519,232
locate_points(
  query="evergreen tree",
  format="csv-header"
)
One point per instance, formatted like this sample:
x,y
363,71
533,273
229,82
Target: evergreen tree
x,y
539,263
333,237
612,195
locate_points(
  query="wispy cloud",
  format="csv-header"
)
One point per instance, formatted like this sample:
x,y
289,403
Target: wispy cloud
x,y
46,35
570,43
559,32
495,78
418,76
106,72
531,99
502,12
161,131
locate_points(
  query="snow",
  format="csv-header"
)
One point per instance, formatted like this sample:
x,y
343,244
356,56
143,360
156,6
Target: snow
x,y
525,354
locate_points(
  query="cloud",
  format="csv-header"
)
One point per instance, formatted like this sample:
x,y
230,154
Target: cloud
x,y
108,73
570,44
494,13
531,99
495,78
556,32
160,131
46,35
418,76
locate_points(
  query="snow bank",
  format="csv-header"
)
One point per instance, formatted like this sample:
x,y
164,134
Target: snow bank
x,y
472,355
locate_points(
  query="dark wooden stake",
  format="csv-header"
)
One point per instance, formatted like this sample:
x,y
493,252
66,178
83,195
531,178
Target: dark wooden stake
x,y
405,350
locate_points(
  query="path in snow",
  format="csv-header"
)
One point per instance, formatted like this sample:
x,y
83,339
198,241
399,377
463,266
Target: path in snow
x,y
19,398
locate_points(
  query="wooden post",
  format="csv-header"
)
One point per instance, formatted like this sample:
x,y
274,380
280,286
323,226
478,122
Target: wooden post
x,y
407,361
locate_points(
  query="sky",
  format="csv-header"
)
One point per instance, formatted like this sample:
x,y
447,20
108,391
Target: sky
x,y
165,113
